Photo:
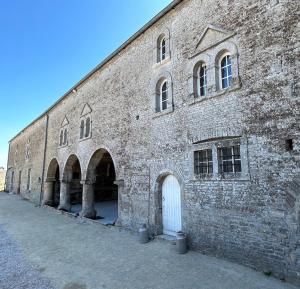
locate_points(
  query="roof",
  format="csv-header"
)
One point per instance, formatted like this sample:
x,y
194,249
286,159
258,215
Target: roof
x,y
172,5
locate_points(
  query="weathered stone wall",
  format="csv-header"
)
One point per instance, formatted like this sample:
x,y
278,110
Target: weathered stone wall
x,y
252,218
27,152
2,179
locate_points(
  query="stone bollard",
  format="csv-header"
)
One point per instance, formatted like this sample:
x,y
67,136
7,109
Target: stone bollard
x,y
143,234
181,245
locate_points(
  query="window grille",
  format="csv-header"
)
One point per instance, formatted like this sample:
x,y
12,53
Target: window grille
x,y
203,163
230,159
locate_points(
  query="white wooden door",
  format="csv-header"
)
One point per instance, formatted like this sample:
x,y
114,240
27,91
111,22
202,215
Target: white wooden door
x,y
171,206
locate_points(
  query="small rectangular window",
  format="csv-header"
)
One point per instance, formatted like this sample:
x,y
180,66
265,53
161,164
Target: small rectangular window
x,y
230,159
203,163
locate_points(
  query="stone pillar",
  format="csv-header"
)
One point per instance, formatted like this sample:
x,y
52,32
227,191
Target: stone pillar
x,y
120,184
88,209
64,198
48,193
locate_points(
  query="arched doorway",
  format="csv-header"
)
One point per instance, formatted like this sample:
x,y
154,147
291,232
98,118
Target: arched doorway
x,y
73,186
171,205
52,185
101,173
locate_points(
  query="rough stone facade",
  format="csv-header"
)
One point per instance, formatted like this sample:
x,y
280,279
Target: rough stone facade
x,y
252,216
2,178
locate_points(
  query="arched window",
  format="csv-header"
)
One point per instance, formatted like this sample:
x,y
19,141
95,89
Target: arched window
x,y
226,71
87,127
61,136
201,80
164,95
65,136
81,129
162,49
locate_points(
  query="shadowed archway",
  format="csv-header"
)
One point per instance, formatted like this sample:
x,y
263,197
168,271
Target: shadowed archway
x,y
101,173
72,187
52,185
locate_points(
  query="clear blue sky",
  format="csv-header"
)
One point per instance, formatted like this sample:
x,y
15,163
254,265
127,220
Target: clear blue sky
x,y
47,46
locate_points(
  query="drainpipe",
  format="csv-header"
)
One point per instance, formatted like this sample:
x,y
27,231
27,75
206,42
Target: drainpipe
x,y
44,160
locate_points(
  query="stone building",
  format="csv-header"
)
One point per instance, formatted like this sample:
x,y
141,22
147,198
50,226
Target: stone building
x,y
193,125
2,178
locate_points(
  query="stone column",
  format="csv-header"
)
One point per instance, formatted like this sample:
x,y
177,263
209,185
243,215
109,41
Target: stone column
x,y
48,193
120,184
88,209
64,198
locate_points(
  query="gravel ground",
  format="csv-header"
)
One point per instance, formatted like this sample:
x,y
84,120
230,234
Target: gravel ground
x,y
15,272
75,254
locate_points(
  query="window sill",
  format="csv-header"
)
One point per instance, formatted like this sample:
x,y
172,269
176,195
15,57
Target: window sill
x,y
195,99
163,112
161,63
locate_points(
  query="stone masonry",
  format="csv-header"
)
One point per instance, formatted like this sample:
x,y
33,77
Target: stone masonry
x,y
251,216
2,178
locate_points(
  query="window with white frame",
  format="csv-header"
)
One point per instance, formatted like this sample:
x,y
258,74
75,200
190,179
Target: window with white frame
x,y
230,159
164,95
225,71
203,162
201,79
162,49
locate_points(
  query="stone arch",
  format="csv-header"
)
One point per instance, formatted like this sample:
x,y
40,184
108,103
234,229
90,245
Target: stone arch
x,y
156,85
71,191
158,221
52,167
68,167
223,48
51,195
101,176
166,34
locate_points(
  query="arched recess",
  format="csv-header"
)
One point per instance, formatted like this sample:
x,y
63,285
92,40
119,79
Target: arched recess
x,y
101,173
73,187
52,185
162,183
